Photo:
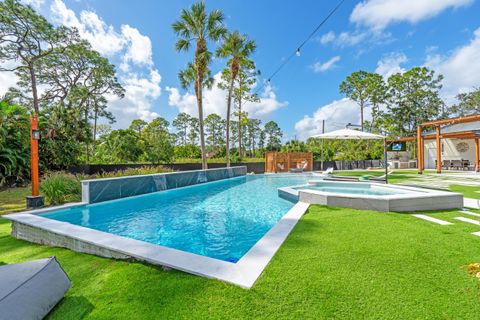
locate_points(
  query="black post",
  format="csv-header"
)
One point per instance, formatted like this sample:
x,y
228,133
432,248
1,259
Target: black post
x,y
385,159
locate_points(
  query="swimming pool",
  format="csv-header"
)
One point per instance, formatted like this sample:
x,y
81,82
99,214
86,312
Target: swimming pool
x,y
221,219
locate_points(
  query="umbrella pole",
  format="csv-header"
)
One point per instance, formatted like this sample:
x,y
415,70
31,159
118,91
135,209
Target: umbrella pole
x,y
385,162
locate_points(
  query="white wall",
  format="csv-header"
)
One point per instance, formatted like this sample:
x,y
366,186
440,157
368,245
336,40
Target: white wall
x,y
449,151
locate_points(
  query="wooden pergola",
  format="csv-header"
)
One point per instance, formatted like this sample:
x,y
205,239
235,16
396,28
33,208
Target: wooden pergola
x,y
284,161
438,136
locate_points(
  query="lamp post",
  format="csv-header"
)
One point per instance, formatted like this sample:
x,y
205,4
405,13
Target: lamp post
x,y
35,200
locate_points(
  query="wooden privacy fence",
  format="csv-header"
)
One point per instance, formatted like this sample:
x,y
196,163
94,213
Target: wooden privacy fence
x,y
285,161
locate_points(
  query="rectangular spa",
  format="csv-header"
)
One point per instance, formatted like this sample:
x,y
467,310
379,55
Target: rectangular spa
x,y
227,229
371,196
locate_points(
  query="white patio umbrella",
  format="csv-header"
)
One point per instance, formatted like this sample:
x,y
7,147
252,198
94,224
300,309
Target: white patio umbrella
x,y
349,134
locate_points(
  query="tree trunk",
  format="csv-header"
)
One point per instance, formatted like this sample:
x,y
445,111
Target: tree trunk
x,y
200,122
33,79
361,115
240,127
94,130
86,142
253,145
229,103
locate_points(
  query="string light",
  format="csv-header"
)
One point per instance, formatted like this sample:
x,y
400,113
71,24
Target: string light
x,y
297,51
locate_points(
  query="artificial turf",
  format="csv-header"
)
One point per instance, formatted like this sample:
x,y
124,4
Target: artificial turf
x,y
13,199
337,263
468,191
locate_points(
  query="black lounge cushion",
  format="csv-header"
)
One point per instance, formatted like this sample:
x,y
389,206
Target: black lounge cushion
x,y
29,290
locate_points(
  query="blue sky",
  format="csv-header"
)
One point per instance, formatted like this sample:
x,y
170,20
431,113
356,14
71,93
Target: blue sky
x,y
386,36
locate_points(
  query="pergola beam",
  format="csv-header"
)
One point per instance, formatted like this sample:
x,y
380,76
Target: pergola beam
x,y
419,150
472,118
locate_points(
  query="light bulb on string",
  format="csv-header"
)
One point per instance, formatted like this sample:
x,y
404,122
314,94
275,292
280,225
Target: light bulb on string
x,y
298,52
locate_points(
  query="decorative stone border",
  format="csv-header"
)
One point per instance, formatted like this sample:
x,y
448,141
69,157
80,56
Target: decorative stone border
x,y
99,190
30,226
416,199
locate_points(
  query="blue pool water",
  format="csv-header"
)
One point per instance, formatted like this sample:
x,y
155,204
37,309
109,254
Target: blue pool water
x,y
351,188
221,219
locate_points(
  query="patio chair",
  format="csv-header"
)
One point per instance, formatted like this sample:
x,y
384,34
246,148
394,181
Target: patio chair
x,y
457,164
446,164
29,290
325,173
300,167
281,166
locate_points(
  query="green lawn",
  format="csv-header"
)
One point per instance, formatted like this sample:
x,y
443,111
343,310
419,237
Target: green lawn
x,y
468,191
13,199
337,263
395,177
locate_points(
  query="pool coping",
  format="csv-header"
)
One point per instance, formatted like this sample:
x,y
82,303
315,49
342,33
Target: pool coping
x,y
243,273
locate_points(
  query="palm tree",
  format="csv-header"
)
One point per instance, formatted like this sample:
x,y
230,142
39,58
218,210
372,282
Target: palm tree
x,y
196,26
238,49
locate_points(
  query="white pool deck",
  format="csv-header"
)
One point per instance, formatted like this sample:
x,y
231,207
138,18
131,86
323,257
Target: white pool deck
x,y
243,273
432,219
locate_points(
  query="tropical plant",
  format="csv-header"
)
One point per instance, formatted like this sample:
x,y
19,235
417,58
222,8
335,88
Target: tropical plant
x,y
63,133
14,141
237,48
189,151
197,26
60,187
120,146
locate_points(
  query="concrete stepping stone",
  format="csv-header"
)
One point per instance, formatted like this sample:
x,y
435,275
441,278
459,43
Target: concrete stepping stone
x,y
476,233
431,219
476,222
471,213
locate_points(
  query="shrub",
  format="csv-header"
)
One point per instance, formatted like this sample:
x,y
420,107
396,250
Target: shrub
x,y
61,187
132,172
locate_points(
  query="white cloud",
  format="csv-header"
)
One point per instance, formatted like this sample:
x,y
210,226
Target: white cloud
x,y
140,94
129,42
391,64
336,114
327,65
91,27
461,69
8,79
215,101
327,38
140,47
131,49
34,3
378,14
345,39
